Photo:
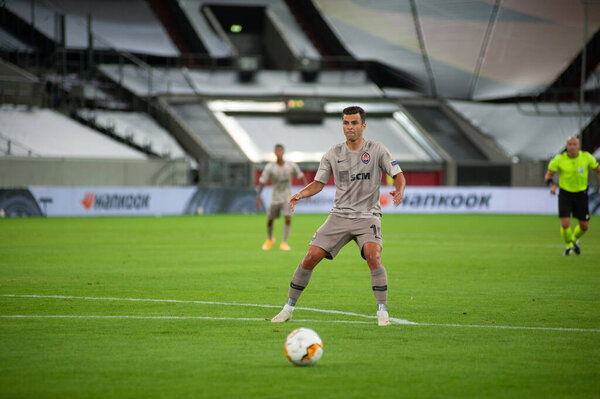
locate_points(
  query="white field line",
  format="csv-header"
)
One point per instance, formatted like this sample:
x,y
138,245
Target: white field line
x,y
66,316
397,321
592,330
393,320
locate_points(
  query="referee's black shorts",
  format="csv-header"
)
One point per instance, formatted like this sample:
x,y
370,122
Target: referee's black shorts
x,y
573,203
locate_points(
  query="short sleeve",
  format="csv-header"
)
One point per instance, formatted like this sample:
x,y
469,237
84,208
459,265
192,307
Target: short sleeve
x,y
324,171
264,177
297,170
553,165
592,161
387,163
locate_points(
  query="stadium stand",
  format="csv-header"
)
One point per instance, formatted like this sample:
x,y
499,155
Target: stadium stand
x,y
216,141
138,128
144,82
454,89
264,130
51,134
226,83
133,28
520,130
445,133
275,11
18,85
593,82
10,43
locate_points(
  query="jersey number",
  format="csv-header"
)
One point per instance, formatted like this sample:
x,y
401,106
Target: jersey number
x,y
376,231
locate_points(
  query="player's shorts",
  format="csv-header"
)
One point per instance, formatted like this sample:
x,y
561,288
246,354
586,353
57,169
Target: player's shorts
x,y
276,209
338,231
573,203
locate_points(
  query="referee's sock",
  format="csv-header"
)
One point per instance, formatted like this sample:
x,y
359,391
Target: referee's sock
x,y
577,233
566,235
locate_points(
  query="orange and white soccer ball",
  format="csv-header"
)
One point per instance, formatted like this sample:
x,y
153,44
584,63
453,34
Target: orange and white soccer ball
x,y
303,347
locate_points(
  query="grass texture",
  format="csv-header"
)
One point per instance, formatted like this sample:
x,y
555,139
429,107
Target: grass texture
x,y
462,278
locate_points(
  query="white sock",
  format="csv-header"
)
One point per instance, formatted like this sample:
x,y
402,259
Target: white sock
x,y
288,308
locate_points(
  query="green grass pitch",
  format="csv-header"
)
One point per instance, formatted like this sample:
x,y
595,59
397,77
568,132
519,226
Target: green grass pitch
x,y
461,277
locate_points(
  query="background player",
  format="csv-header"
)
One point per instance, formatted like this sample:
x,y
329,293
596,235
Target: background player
x,y
280,172
572,166
357,166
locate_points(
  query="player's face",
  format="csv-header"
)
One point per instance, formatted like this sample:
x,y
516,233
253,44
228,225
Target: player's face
x,y
279,153
353,127
573,147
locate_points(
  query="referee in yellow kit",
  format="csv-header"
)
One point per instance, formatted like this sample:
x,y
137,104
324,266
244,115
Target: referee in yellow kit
x,y
572,166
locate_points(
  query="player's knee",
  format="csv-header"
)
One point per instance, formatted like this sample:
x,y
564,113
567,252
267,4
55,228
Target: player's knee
x,y
312,258
584,226
373,257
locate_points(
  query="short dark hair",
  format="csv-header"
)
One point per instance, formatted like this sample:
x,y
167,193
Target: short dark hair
x,y
279,145
355,109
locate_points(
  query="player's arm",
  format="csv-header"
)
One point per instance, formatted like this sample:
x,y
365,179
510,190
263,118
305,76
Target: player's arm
x,y
313,188
259,203
399,185
303,179
597,170
300,175
264,178
550,182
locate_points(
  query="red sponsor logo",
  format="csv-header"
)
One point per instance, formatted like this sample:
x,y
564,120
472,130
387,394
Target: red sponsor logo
x,y
88,200
115,201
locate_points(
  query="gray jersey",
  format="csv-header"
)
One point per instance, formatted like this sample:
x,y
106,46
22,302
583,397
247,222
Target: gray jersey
x,y
357,176
281,177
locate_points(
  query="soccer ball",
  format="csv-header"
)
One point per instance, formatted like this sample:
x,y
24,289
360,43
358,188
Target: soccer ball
x,y
303,347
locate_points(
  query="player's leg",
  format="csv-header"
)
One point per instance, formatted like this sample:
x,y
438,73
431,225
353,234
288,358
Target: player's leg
x,y
287,211
369,239
566,232
565,208
300,280
326,243
270,240
372,253
270,228
579,231
272,214
582,213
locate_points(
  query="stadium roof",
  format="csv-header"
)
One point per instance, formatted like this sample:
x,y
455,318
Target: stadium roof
x,y
469,49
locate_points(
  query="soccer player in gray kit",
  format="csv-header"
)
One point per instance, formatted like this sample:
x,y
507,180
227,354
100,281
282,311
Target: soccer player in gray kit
x,y
280,172
357,166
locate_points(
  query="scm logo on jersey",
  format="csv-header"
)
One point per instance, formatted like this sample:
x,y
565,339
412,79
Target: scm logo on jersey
x,y
360,176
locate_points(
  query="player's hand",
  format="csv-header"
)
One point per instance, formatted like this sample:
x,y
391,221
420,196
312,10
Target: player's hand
x,y
259,204
293,200
553,189
397,196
